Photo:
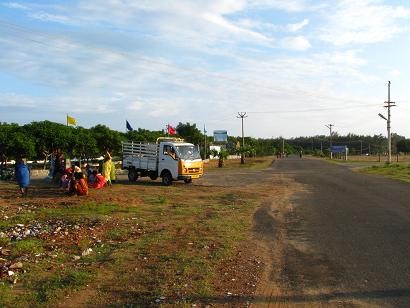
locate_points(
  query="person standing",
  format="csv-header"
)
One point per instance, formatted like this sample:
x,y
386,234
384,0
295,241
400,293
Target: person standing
x,y
106,168
52,163
113,176
23,176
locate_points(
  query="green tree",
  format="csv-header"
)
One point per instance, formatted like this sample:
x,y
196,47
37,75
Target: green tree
x,y
143,135
222,156
403,146
85,146
48,136
107,139
190,133
14,141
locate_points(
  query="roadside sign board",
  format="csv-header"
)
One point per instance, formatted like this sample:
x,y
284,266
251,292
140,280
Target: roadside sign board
x,y
220,136
339,149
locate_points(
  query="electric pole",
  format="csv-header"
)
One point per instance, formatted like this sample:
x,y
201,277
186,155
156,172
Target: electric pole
x,y
242,115
389,104
329,126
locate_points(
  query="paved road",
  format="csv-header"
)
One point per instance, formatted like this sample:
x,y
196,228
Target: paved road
x,y
348,234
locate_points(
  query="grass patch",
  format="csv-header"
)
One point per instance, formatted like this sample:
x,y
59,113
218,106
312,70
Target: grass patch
x,y
118,234
394,171
88,209
47,289
155,199
27,246
21,218
6,296
4,241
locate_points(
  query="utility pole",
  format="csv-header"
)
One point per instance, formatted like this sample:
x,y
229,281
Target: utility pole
x,y
361,147
242,115
389,104
329,126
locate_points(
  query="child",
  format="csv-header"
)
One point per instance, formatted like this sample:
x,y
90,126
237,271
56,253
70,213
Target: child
x,y
23,176
81,187
92,177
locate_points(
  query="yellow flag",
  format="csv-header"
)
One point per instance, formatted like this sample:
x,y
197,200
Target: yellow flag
x,y
71,120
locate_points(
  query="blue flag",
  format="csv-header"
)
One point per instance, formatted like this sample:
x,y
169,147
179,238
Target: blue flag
x,y
129,126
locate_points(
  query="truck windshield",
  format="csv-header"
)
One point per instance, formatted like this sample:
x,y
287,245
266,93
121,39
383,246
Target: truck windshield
x,y
188,152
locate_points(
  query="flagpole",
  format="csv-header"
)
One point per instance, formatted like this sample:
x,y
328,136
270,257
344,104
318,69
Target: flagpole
x,y
66,118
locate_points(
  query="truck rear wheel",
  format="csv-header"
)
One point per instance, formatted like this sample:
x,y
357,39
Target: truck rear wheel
x,y
132,175
167,178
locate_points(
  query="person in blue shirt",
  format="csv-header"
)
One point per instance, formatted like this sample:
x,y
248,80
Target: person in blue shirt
x,y
23,176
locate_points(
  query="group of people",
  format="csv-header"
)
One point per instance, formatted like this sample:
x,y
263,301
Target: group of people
x,y
73,179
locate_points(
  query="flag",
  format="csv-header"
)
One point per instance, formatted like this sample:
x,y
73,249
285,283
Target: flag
x,y
128,126
171,130
71,120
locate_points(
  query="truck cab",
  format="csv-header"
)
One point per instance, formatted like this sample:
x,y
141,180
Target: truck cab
x,y
179,161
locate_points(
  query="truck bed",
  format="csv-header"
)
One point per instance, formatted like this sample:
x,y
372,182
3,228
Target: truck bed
x,y
140,155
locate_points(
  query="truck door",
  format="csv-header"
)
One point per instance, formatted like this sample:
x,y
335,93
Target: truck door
x,y
168,160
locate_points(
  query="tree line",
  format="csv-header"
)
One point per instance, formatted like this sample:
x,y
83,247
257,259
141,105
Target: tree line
x,y
38,139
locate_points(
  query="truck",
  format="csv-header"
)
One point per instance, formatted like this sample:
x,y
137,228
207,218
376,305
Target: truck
x,y
169,158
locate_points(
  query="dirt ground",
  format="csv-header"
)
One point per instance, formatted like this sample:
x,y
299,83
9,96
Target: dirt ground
x,y
251,274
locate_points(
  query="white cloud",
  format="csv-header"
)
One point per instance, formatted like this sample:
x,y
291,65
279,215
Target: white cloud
x,y
155,107
16,100
363,22
269,27
299,43
50,17
15,5
394,73
235,30
297,26
292,6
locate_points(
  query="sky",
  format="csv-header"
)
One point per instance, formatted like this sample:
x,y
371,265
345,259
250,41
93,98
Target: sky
x,y
294,66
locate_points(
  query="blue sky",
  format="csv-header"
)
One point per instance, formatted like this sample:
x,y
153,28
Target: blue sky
x,y
293,66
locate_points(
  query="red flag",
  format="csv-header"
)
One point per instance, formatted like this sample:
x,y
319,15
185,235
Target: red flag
x,y
171,130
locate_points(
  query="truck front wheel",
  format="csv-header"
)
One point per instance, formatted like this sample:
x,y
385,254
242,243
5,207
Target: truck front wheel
x,y
188,181
132,175
167,178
